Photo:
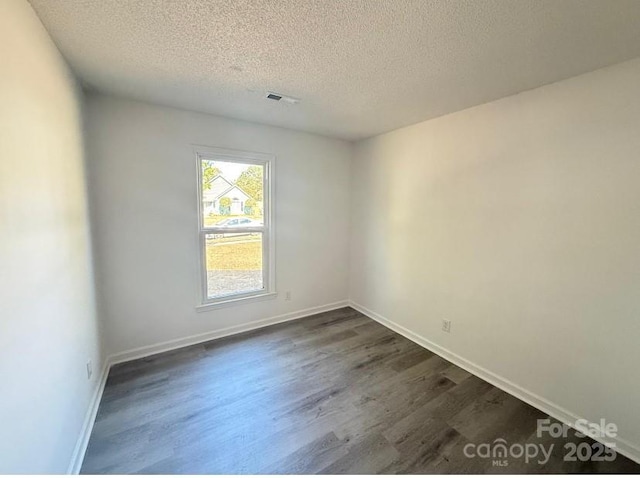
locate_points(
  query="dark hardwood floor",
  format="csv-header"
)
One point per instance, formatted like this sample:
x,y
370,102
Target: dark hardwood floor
x,y
331,393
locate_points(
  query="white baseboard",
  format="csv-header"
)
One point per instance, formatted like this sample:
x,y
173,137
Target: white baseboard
x,y
148,350
623,446
89,420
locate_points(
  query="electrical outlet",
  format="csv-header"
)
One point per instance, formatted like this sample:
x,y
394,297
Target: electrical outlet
x,y
89,369
446,325
287,295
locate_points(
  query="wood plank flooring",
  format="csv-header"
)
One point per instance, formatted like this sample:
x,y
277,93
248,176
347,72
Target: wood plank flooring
x,y
332,393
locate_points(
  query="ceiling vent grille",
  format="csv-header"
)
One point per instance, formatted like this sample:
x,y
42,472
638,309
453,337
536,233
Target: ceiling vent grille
x,y
286,99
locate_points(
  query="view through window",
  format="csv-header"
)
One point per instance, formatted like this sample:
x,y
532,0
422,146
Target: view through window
x,y
234,227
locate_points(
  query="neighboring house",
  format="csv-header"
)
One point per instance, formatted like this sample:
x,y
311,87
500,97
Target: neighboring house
x,y
221,188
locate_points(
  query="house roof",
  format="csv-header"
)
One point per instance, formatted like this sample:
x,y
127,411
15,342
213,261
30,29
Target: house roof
x,y
237,188
217,188
221,187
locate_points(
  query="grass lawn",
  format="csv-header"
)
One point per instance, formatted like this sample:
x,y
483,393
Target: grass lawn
x,y
246,256
210,220
231,252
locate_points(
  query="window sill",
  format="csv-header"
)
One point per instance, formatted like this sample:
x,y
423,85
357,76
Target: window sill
x,y
236,301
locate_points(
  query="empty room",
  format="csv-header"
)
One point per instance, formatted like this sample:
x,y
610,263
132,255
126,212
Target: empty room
x,y
319,236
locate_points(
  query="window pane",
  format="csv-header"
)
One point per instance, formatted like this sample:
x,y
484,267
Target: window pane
x,y
234,263
232,191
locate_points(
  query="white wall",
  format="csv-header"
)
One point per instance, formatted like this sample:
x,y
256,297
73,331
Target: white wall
x,y
518,220
47,315
143,188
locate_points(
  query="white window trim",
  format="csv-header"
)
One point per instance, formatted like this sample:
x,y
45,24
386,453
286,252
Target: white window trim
x,y
268,244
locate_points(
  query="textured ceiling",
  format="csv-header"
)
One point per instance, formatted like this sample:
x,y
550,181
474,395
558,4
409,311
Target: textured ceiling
x,y
361,67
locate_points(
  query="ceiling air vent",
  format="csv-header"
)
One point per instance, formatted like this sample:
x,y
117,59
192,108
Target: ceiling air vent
x,y
278,97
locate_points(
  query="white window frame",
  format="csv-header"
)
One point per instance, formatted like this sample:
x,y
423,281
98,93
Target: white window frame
x,y
268,231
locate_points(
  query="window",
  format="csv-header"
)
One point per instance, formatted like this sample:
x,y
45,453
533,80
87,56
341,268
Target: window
x,y
236,236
